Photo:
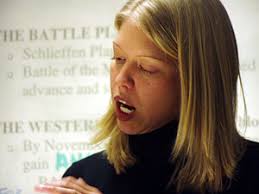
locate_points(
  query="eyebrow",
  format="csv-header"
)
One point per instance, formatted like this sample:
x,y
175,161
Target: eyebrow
x,y
116,44
144,56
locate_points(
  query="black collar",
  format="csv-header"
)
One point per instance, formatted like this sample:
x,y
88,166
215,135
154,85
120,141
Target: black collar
x,y
155,146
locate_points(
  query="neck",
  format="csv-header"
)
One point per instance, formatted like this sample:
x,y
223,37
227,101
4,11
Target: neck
x,y
155,146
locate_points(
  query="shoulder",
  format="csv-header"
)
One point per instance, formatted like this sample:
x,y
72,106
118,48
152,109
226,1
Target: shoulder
x,y
245,179
251,154
94,159
248,166
253,145
90,166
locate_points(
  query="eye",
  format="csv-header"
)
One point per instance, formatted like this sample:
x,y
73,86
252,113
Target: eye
x,y
119,60
146,71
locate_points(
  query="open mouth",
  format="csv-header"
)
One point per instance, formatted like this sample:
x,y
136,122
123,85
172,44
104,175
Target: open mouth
x,y
125,108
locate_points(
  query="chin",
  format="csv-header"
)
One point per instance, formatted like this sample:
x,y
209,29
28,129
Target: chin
x,y
130,129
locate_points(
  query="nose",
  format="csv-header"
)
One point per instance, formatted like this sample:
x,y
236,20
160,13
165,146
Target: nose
x,y
124,78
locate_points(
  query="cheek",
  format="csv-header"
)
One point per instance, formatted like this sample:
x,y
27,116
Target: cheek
x,y
112,75
161,96
158,89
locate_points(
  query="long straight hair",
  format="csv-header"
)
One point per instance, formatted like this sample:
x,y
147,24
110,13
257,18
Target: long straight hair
x,y
197,34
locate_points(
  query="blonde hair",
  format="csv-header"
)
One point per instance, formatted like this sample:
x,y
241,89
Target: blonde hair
x,y
199,35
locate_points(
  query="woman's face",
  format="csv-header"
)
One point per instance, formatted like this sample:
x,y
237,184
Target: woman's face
x,y
144,83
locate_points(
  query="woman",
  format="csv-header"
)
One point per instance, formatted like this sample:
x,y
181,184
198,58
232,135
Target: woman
x,y
171,123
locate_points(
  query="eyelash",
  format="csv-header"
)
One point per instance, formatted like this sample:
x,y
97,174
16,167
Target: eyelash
x,y
116,59
144,70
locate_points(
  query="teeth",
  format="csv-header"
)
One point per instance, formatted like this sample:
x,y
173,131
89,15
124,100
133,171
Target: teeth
x,y
123,102
124,107
125,110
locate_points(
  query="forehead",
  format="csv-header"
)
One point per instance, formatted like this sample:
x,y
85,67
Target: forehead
x,y
132,40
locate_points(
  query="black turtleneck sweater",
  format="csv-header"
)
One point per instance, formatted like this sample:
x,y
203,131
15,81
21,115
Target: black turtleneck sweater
x,y
149,175
153,168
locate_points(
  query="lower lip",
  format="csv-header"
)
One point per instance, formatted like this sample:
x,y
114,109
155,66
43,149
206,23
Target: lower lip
x,y
123,116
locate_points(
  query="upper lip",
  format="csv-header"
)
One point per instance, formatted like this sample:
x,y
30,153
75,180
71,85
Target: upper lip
x,y
122,100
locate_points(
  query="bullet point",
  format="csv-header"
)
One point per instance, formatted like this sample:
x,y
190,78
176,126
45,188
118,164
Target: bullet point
x,y
10,57
10,75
